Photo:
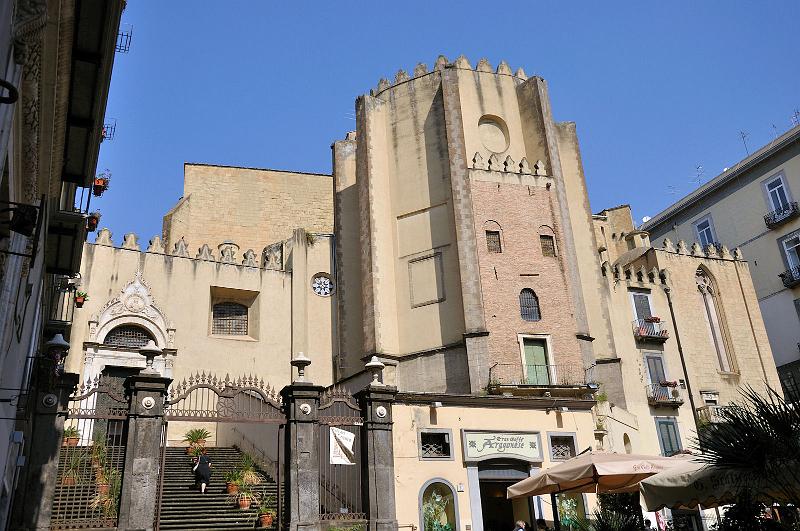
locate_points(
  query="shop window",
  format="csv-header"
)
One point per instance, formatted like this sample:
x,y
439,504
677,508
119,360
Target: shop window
x,y
128,336
229,319
435,444
562,447
437,507
529,305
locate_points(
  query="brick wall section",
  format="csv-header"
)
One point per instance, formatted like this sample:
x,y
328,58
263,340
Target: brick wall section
x,y
521,210
252,207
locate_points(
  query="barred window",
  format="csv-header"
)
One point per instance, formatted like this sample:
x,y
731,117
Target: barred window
x,y
434,445
229,319
493,241
562,447
128,336
548,245
529,305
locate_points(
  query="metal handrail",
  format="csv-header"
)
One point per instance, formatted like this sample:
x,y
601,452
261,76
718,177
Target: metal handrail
x,y
780,215
648,328
791,277
657,392
568,375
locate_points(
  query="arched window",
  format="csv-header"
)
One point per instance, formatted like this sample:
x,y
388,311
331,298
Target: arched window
x,y
547,240
494,233
716,322
128,336
529,305
229,319
437,507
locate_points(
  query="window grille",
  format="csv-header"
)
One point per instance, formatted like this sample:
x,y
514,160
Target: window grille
x,y
562,448
493,241
433,445
128,336
529,305
229,319
548,245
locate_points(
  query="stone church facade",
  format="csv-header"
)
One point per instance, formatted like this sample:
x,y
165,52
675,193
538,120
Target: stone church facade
x,y
454,242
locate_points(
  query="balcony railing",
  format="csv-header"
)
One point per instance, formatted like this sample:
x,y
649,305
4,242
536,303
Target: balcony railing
x,y
664,394
782,215
649,330
791,277
710,413
60,300
517,374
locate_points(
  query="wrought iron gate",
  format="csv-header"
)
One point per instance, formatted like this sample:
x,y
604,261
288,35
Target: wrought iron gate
x,y
92,457
340,495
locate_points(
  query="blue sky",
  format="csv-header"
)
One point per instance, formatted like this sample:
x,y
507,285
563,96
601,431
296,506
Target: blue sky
x,y
656,88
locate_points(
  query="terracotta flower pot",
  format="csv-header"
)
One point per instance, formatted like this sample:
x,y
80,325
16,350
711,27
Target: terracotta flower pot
x,y
103,488
79,302
231,488
68,481
265,520
70,441
244,503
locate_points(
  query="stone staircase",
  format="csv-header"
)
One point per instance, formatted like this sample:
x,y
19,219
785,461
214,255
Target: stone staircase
x,y
183,507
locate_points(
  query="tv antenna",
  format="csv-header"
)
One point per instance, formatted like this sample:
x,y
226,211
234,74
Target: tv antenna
x,y
698,177
744,135
796,117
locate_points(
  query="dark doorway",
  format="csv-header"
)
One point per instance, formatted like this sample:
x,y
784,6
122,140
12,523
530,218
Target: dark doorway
x,y
500,513
114,430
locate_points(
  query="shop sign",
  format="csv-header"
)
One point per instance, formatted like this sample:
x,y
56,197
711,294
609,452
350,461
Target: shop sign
x,y
479,445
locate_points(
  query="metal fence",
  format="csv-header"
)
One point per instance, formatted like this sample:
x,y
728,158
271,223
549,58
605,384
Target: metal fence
x,y
659,393
340,421
518,374
650,329
91,459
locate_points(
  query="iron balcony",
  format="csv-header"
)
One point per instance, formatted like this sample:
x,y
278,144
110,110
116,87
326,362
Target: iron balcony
x,y
664,394
650,330
791,277
782,215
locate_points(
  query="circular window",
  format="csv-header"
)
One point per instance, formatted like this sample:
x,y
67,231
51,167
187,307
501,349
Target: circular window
x,y
493,133
322,284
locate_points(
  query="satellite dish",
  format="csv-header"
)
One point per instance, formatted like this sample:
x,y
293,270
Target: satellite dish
x,y
646,219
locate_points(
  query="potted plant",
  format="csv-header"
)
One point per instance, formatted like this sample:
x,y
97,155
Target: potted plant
x,y
653,319
196,438
248,472
245,497
108,502
669,384
80,298
266,516
72,468
101,183
105,478
232,480
71,436
93,220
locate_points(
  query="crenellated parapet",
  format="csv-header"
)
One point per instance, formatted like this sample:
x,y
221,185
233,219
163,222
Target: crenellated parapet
x,y
227,253
713,251
442,62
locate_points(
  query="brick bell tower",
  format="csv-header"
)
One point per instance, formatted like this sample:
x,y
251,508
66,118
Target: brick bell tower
x,y
462,229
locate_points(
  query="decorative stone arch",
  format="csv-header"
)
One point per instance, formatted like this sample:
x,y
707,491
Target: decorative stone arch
x,y
135,305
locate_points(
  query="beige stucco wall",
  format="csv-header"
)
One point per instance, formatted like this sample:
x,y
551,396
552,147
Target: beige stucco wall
x,y
411,472
737,211
253,207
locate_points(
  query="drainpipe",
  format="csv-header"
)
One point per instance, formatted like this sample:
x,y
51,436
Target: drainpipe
x,y
683,360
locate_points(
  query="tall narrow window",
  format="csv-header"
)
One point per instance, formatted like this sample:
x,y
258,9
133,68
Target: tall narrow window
x,y
537,367
791,246
529,305
705,231
229,319
668,436
710,297
778,197
493,241
548,245
641,306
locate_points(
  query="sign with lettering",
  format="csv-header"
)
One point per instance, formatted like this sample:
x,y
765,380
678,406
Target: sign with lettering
x,y
480,445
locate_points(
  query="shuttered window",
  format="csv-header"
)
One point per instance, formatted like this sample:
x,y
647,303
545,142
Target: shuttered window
x,y
668,436
229,319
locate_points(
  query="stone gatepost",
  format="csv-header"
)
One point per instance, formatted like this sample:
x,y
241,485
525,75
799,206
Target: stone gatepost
x,y
143,452
301,469
377,456
34,505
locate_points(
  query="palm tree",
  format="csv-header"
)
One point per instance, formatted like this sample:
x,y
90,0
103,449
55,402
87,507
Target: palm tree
x,y
759,441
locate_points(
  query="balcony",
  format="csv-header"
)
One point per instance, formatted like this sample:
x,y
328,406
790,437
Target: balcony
x,y
779,217
791,277
651,329
559,380
664,394
60,302
711,413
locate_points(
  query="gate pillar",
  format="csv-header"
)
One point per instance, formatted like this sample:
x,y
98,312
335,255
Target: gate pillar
x,y
142,457
301,403
377,460
34,506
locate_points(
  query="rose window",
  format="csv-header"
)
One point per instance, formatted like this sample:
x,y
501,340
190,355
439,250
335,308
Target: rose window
x,y
322,285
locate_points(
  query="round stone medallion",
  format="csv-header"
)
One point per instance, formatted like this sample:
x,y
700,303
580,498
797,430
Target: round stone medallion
x,y
493,133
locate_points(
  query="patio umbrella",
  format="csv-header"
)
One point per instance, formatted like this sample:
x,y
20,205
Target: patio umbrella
x,y
691,483
592,472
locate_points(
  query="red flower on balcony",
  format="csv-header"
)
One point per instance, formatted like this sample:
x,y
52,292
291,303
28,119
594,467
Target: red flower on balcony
x,y
652,319
669,384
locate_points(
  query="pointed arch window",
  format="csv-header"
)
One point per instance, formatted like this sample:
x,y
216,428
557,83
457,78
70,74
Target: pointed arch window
x,y
715,319
529,305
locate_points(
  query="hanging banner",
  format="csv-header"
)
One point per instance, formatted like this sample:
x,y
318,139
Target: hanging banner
x,y
341,443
